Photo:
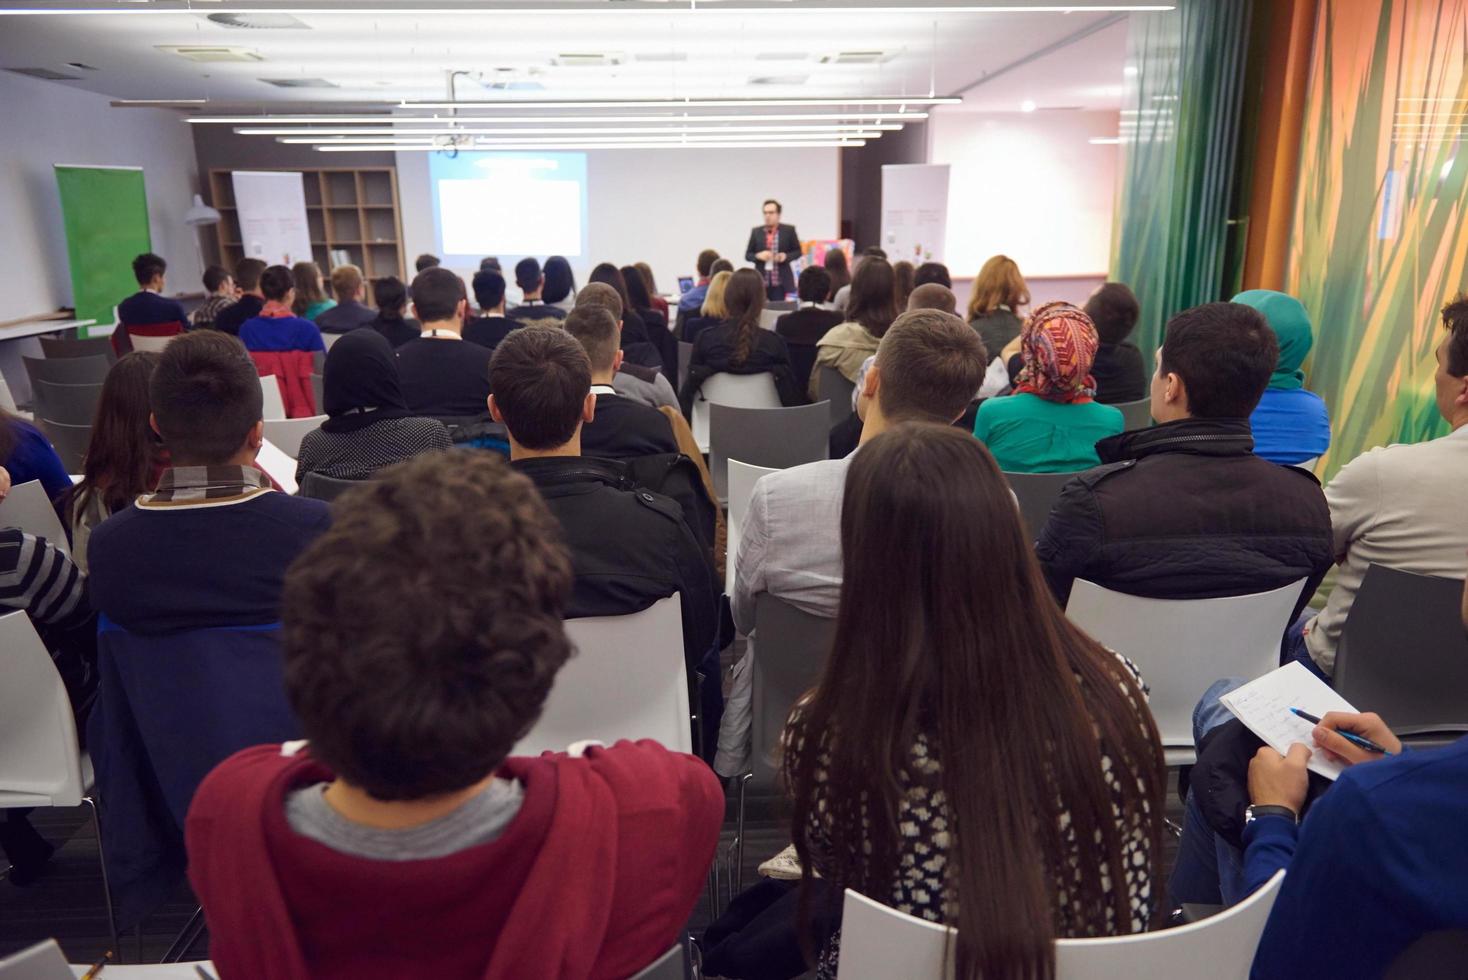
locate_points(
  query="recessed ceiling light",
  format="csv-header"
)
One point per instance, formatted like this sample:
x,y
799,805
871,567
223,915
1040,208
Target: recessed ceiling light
x,y
1028,105
1130,71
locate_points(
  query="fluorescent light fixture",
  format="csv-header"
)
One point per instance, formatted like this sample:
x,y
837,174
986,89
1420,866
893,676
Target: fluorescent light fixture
x,y
1130,71
396,120
1104,140
564,130
542,140
409,9
854,100
125,103
1028,105
754,145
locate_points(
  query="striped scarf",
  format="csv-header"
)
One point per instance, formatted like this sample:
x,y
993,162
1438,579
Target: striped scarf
x,y
1058,347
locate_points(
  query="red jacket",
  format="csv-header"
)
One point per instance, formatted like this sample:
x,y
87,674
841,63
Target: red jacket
x,y
292,370
593,878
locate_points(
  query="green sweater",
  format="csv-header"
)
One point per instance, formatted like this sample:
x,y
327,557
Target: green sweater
x,y
1028,434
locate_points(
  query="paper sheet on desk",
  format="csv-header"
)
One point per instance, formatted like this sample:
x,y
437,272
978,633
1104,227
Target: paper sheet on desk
x,y
1264,706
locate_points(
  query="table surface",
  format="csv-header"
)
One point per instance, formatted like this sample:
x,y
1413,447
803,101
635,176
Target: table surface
x,y
17,331
150,971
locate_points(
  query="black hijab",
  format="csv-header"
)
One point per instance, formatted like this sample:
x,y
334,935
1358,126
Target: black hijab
x,y
360,382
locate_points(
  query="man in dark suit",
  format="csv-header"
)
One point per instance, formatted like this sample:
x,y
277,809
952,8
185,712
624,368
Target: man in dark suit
x,y
622,427
772,247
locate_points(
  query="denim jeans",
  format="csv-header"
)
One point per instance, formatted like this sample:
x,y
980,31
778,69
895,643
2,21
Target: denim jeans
x,y
1209,870
1295,648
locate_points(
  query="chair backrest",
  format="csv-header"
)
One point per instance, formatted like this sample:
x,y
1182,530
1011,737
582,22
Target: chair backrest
x,y
318,390
70,404
790,651
71,442
150,342
685,354
89,370
28,508
1183,645
739,390
626,680
1402,652
672,965
7,400
832,386
39,762
319,486
1037,493
768,316
777,438
288,433
742,478
879,942
274,404
1137,414
54,347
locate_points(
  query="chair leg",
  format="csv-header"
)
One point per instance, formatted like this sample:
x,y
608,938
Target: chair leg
x,y
186,938
736,874
106,886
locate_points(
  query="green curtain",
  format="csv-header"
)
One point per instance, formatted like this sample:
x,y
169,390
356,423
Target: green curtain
x,y
105,213
1179,141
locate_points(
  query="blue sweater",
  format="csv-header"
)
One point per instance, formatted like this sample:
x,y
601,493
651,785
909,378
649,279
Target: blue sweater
x,y
1378,863
1290,426
281,333
34,459
145,308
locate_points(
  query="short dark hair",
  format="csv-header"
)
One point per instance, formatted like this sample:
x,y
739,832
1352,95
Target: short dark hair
x,y
214,277
276,281
490,262
148,265
425,261
1224,353
932,272
436,294
247,273
1114,310
595,329
205,394
930,366
814,285
721,265
874,252
600,294
395,697
489,288
932,296
706,260
389,294
527,273
771,200
1455,321
540,377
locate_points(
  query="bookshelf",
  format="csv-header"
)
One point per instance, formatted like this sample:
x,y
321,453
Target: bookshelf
x,y
349,209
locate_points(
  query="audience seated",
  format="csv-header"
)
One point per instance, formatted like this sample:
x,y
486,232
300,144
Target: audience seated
x,y
311,299
650,283
399,839
247,274
704,266
933,272
839,270
124,456
942,712
712,312
349,313
491,325
560,284
425,261
443,374
148,307
927,368
219,293
636,344
654,320
803,328
842,297
933,296
1052,422
277,328
1185,510
869,312
1401,505
632,380
391,297
993,309
740,345
621,427
629,546
1291,425
28,455
532,309
368,426
1119,372
902,281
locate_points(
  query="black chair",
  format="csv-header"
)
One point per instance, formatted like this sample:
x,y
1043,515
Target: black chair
x,y
832,386
71,442
318,387
69,404
685,354
1037,493
89,370
775,437
57,347
1137,414
320,487
1403,655
802,362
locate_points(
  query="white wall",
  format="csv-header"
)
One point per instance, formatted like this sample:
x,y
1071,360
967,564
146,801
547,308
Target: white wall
x,y
1028,185
45,123
665,206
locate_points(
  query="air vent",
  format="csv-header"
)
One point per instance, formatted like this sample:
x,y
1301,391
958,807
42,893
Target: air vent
x,y
210,54
47,74
781,56
587,59
662,56
259,21
856,58
779,80
299,83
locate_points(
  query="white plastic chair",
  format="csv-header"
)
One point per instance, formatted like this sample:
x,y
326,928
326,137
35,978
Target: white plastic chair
x,y
27,507
742,478
739,390
273,407
155,344
7,400
1183,645
878,943
287,434
627,679
40,763
767,318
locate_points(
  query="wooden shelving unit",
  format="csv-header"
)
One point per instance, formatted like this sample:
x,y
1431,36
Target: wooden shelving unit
x,y
349,209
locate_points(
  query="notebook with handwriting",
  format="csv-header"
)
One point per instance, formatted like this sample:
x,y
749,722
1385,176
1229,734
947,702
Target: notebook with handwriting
x,y
1264,706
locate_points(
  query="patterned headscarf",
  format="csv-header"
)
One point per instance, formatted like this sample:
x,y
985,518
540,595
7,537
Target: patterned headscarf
x,y
1058,347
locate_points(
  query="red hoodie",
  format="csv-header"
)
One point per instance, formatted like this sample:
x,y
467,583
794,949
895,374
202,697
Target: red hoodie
x,y
593,878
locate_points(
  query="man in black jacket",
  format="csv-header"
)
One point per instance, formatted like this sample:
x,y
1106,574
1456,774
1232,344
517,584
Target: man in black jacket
x,y
1185,510
772,247
629,547
622,428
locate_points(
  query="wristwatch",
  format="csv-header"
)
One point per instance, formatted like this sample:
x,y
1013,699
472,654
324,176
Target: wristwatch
x,y
1254,812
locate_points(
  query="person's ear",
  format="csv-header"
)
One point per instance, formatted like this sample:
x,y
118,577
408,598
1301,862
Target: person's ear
x,y
871,381
588,408
617,361
153,424
1174,392
256,437
494,411
461,309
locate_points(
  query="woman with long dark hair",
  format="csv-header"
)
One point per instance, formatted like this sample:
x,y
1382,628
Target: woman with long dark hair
x,y
839,270
637,345
311,300
869,312
124,457
649,280
904,276
969,756
655,322
560,284
739,345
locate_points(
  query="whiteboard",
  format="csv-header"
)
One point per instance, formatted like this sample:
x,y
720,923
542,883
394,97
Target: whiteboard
x,y
271,206
915,211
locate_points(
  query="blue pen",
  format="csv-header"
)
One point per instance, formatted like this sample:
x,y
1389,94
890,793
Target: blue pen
x,y
1352,737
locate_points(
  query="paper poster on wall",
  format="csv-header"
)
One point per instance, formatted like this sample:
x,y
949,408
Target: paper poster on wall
x,y
272,210
915,211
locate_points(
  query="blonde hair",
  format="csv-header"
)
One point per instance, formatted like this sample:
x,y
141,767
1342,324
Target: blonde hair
x,y
345,281
713,301
998,284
